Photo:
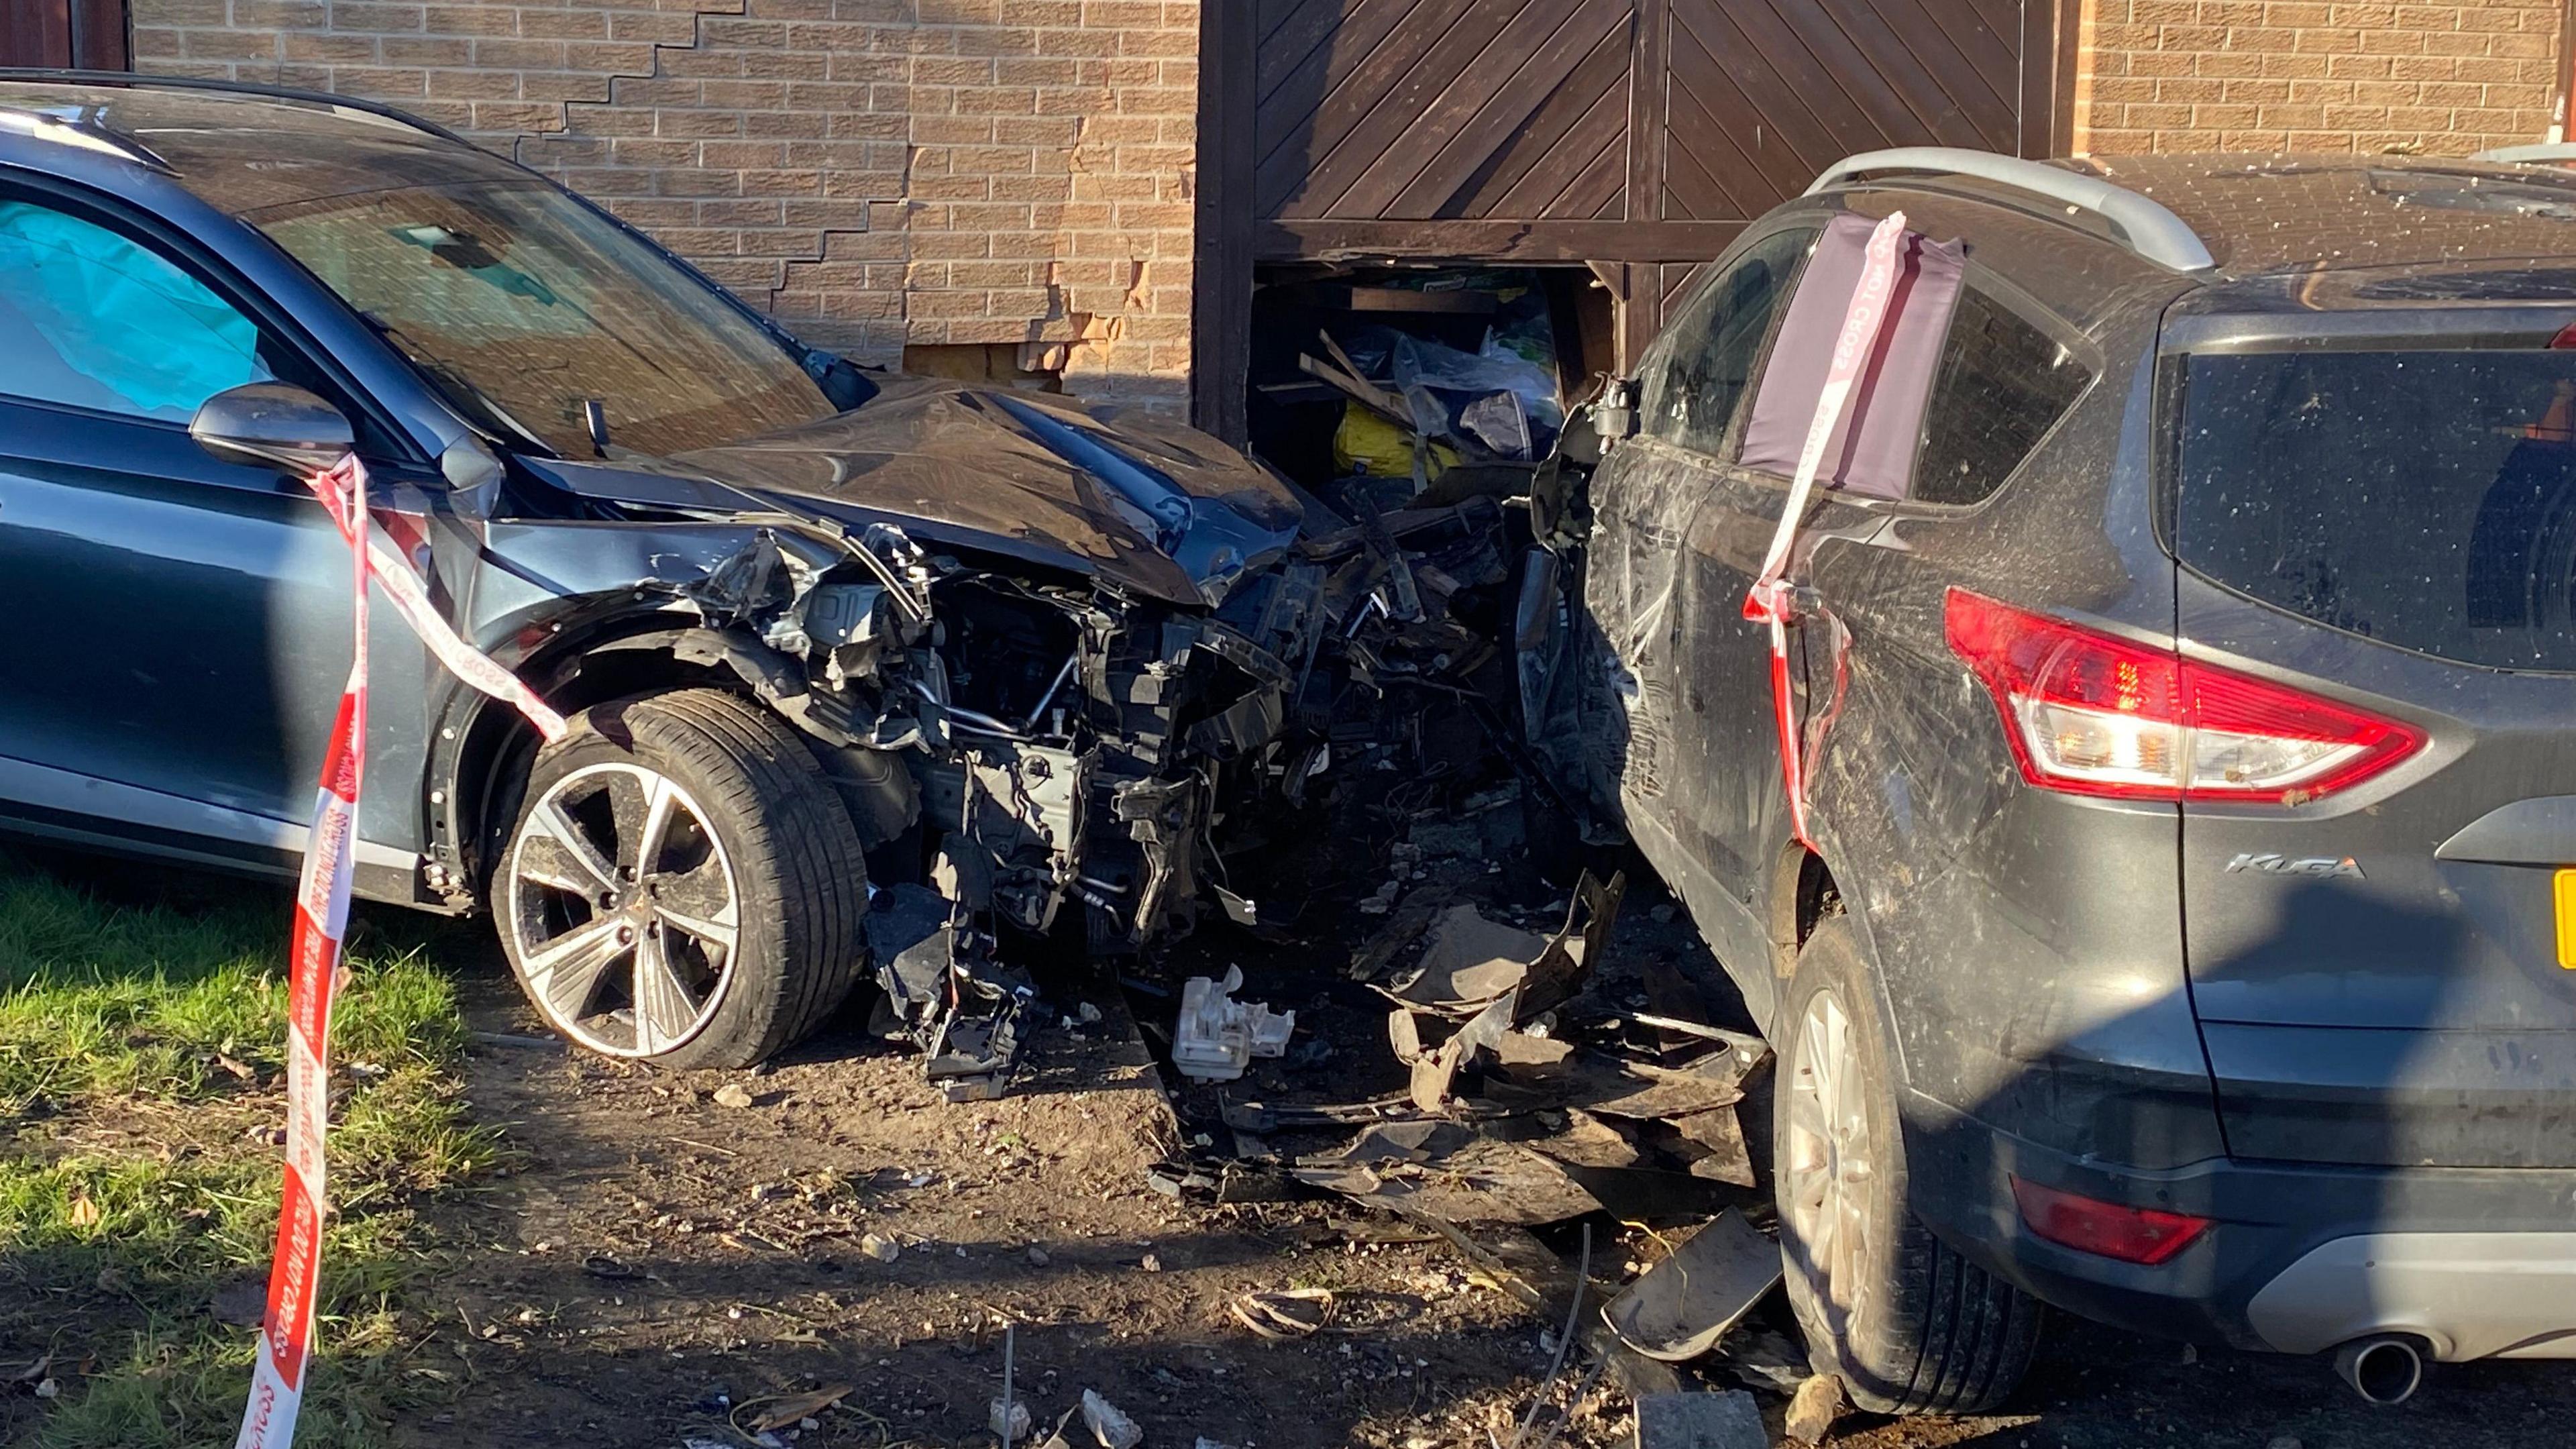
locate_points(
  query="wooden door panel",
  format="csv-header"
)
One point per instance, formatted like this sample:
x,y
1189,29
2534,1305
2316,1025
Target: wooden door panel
x,y
1764,94
36,32
1739,117
1553,96
1434,110
1532,174
1440,109
89,34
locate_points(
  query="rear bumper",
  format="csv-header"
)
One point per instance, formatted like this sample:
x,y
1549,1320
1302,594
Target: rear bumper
x,y
2469,1295
2299,1258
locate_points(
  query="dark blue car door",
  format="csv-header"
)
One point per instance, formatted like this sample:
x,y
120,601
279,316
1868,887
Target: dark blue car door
x,y
181,624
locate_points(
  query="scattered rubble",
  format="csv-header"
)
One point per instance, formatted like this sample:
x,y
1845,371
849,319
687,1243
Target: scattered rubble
x,y
1547,1090
1365,688
1812,1411
1700,1421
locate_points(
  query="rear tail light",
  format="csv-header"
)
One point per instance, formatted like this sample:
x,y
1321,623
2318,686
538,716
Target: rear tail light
x,y
2092,714
2145,1236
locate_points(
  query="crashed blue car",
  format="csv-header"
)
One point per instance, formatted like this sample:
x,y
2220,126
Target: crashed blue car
x,y
866,672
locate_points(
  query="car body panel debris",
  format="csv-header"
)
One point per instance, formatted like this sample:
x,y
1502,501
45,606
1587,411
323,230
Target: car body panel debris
x,y
785,1413
1679,1308
1469,963
1450,1172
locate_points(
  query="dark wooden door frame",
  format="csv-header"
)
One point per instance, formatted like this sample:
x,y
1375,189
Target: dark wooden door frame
x,y
2566,83
1221,269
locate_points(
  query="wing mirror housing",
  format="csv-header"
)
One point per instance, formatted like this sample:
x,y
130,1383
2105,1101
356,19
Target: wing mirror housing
x,y
273,423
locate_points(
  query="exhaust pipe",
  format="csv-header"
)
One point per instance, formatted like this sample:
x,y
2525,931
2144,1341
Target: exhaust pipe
x,y
2386,1369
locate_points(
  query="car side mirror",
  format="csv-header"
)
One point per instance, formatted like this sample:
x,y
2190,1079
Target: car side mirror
x,y
273,423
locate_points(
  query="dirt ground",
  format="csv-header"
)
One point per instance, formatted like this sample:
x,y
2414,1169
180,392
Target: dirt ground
x,y
661,1262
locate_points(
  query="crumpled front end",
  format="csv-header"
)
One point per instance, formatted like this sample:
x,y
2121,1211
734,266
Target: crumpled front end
x,y
1031,755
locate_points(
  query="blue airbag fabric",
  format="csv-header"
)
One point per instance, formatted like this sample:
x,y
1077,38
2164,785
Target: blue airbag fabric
x,y
91,319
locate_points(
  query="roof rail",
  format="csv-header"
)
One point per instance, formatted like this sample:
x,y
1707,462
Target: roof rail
x,y
2149,229
133,81
2538,154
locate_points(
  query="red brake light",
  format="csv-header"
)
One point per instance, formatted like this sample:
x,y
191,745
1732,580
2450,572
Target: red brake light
x,y
2093,714
2145,1236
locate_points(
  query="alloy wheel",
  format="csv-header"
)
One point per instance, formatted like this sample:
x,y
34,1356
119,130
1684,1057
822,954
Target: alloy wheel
x,y
623,909
1825,1164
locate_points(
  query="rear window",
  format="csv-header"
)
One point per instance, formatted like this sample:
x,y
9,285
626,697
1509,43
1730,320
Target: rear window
x,y
2424,499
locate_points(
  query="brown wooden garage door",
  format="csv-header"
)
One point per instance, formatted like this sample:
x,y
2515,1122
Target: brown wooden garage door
x,y
1637,136
85,33
1560,125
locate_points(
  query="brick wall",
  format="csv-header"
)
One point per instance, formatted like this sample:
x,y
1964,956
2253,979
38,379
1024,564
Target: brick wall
x,y
2308,75
881,174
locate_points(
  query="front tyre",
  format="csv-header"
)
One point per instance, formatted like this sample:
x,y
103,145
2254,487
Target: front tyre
x,y
681,884
1911,1326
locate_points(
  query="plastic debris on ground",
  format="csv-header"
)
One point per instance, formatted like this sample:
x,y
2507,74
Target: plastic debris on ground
x,y
1108,1424
1284,1314
1217,1037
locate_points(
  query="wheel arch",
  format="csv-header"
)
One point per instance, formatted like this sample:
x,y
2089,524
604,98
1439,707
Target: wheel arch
x,y
480,747
1803,892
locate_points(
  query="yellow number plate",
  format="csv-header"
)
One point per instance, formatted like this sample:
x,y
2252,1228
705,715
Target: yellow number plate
x,y
2564,888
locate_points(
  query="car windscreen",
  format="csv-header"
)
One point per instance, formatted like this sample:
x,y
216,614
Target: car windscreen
x,y
524,305
2426,499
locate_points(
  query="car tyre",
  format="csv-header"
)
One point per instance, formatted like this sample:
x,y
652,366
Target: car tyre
x,y
1911,1326
681,883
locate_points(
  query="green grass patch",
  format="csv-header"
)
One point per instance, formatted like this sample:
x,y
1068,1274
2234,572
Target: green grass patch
x,y
103,999
123,1015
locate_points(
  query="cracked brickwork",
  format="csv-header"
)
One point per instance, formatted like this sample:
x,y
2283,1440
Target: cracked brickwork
x,y
2308,75
878,173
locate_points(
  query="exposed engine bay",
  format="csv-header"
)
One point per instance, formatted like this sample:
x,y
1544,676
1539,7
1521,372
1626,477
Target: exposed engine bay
x,y
1033,758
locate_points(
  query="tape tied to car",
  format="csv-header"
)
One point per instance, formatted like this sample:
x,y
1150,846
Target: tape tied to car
x,y
1771,600
313,951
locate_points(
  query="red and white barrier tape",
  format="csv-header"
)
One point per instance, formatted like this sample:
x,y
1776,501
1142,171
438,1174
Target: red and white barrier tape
x,y
313,958
1770,599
